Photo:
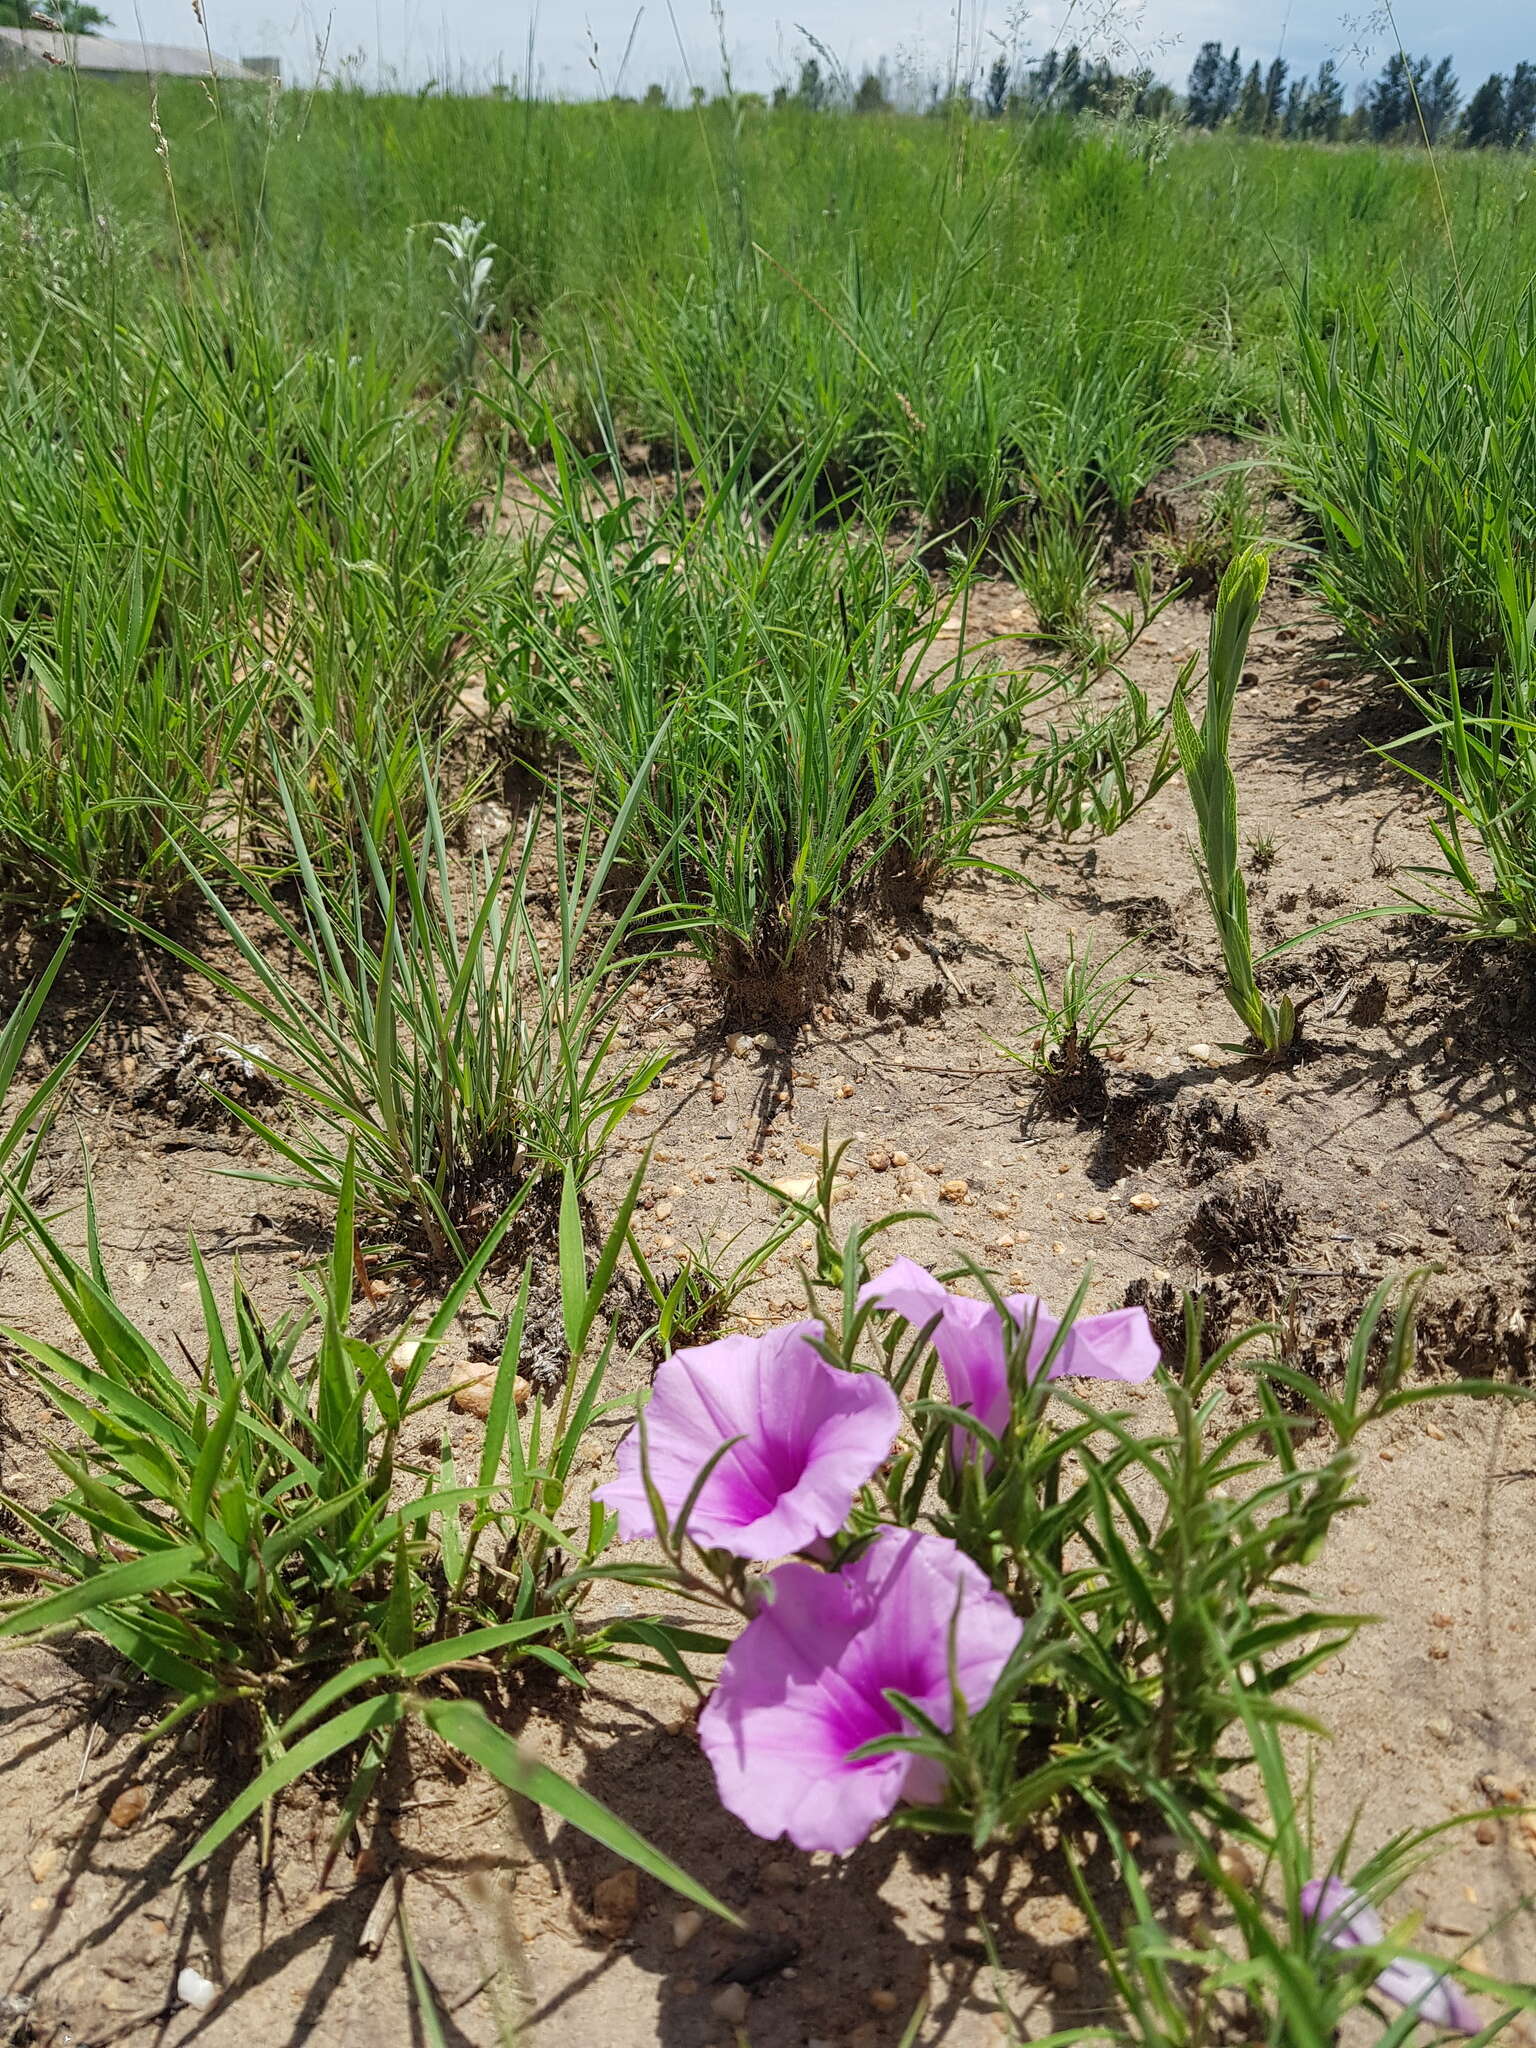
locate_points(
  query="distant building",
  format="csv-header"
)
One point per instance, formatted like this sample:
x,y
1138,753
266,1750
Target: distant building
x,y
27,49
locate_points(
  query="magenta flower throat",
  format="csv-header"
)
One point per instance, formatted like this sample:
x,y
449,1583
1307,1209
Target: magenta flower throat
x,y
805,1686
809,1435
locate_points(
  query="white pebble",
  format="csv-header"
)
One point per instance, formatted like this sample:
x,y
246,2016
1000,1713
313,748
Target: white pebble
x,y
684,1927
193,1988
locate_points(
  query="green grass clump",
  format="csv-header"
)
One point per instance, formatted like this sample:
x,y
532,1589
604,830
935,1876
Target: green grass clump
x,y
772,708
260,1543
434,1035
786,710
1412,440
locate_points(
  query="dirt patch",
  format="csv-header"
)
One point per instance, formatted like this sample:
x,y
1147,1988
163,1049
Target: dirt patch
x,y
1405,1138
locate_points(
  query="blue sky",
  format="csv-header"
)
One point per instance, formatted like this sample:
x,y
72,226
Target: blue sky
x,y
420,39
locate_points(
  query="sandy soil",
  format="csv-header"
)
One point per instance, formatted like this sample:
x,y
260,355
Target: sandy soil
x,y
1403,1136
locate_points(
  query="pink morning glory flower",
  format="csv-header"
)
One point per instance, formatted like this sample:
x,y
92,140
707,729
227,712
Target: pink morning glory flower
x,y
973,1351
1349,1920
810,1435
805,1685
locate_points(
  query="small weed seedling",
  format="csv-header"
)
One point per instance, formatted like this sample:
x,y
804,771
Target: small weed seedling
x,y
1204,755
1066,1056
472,299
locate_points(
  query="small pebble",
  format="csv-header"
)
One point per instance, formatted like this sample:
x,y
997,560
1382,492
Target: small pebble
x,y
1487,1833
1145,1203
475,1399
902,949
900,1159
879,1161
731,2004
129,1807
1093,1216
662,1211
883,2000
1236,1868
403,1357
954,1191
194,1989
685,1926
1064,1976
1204,1054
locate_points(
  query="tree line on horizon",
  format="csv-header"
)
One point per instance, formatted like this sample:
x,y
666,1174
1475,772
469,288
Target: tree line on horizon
x,y
1412,99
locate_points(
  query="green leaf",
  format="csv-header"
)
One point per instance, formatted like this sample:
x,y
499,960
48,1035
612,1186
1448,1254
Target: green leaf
x,y
466,1727
118,1582
210,1459
573,1265
346,1729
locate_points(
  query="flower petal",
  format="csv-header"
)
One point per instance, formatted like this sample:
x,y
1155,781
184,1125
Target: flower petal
x,y
968,1337
973,1346
805,1685
809,1436
916,1589
1429,1993
1116,1346
1347,1918
781,1721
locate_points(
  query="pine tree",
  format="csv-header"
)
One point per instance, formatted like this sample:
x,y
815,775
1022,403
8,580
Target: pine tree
x,y
1274,94
869,96
1520,107
1231,88
1293,122
1324,115
1482,125
1390,107
1442,96
1250,108
1042,83
1203,99
1069,82
997,87
811,92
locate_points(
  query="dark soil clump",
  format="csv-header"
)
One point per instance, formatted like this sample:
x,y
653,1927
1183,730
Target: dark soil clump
x,y
1242,1219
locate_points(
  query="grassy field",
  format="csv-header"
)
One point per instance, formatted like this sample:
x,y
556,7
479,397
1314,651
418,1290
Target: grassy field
x,y
547,651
